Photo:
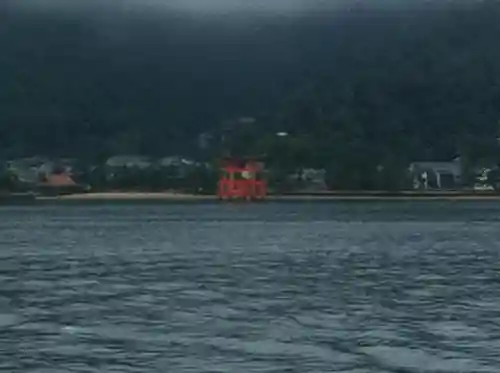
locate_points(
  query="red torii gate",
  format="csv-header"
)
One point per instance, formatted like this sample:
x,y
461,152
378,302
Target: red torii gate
x,y
242,179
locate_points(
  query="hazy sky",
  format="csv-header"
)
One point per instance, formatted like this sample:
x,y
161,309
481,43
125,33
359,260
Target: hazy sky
x,y
208,6
190,5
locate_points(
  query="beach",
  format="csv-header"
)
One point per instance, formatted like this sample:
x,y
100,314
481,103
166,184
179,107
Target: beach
x,y
103,196
328,196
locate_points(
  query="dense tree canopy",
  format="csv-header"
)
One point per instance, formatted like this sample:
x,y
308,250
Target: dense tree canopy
x,y
355,91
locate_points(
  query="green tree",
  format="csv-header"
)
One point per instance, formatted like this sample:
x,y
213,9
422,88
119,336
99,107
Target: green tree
x,y
7,180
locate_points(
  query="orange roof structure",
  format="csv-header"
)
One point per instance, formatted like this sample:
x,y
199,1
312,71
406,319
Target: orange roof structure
x,y
242,179
59,180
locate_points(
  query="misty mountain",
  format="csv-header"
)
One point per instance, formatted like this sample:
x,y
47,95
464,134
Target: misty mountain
x,y
89,83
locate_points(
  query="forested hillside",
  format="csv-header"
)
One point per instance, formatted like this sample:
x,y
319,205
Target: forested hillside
x,y
355,90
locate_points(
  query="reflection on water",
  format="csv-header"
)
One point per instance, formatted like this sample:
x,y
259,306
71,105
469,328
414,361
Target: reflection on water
x,y
258,288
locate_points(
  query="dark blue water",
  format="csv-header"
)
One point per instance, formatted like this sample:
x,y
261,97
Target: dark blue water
x,y
337,287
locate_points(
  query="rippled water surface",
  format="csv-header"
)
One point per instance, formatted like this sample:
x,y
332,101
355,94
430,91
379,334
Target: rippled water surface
x,y
337,287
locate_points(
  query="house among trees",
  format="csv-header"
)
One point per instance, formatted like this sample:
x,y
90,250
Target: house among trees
x,y
128,162
59,183
436,175
43,175
125,168
308,180
27,171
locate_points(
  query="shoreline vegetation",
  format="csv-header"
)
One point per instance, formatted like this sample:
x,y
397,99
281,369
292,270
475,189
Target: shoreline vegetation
x,y
187,197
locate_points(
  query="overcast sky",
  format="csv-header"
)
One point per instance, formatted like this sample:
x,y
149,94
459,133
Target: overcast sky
x,y
209,6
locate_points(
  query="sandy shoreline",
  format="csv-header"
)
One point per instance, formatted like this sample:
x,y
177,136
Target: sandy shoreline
x,y
128,196
336,196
